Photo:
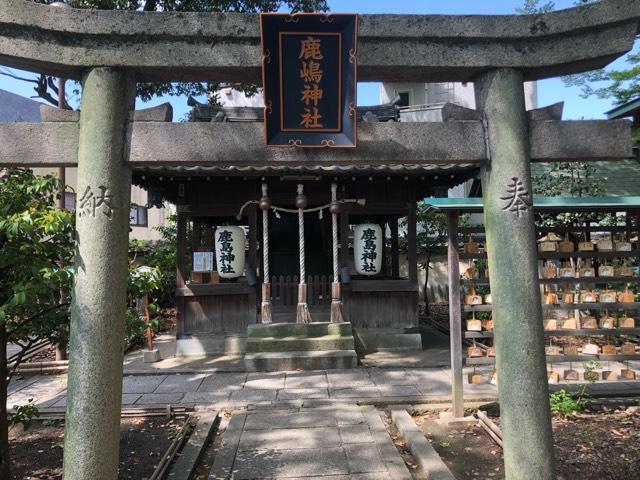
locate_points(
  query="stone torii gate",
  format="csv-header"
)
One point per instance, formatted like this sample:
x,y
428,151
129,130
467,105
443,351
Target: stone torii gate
x,y
111,50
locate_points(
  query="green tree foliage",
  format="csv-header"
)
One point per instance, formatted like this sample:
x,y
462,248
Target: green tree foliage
x,y
144,281
36,250
152,273
568,179
533,7
147,91
36,258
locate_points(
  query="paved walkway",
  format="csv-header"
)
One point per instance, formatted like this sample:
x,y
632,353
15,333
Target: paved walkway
x,y
239,389
337,443
242,389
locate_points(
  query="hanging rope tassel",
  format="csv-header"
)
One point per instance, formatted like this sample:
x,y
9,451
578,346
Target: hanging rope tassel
x,y
302,311
265,307
336,303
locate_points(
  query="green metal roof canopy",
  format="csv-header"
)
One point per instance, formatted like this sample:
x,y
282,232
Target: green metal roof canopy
x,y
474,205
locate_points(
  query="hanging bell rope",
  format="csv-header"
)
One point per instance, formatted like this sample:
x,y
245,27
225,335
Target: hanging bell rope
x,y
265,308
302,310
336,304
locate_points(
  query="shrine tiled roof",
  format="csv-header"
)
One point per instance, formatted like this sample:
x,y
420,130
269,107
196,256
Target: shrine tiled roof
x,y
413,170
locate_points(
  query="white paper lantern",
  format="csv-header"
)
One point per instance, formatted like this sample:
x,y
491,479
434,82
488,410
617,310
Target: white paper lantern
x,y
229,242
367,249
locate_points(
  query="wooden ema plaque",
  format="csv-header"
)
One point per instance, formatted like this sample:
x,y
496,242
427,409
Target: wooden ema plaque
x,y
309,79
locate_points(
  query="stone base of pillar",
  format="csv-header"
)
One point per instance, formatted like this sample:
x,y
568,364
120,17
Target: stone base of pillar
x,y
151,356
447,418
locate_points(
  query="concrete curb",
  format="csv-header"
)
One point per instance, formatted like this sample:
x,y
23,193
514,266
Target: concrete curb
x,y
396,466
184,467
425,455
226,452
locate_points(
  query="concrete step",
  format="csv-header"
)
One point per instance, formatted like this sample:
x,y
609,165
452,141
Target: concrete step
x,y
314,329
210,344
386,340
299,343
286,361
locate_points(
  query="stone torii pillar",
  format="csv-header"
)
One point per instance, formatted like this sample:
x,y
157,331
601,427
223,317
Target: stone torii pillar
x,y
512,257
94,396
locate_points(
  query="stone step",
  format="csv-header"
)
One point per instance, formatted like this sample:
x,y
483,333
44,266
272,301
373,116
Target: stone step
x,y
386,340
314,329
286,361
299,343
210,344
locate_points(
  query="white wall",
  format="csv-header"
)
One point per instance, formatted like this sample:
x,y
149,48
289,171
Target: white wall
x,y
229,97
459,93
155,216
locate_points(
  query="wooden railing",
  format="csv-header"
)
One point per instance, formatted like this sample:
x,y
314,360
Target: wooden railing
x,y
284,290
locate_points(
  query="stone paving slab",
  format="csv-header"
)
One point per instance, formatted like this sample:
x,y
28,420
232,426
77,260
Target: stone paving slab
x,y
349,378
355,434
263,464
306,380
364,458
270,381
322,443
368,391
206,397
289,420
290,438
159,398
180,383
254,395
18,383
219,381
390,377
142,383
398,391
127,399
44,392
302,393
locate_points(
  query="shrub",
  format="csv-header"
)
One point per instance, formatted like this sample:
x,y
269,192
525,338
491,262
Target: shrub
x,y
566,403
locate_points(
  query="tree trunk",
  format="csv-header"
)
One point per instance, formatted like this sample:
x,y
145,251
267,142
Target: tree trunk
x,y
4,425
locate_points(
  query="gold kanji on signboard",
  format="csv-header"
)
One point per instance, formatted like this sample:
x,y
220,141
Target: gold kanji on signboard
x,y
311,94
310,48
310,72
310,118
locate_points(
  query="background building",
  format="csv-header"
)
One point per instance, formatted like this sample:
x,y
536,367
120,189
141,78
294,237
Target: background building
x,y
143,220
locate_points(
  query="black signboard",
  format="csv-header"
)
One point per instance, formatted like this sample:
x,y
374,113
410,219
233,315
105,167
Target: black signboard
x,y
309,79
